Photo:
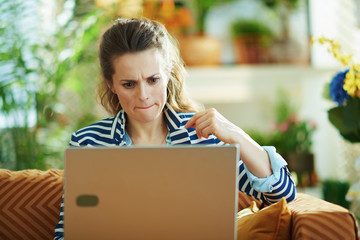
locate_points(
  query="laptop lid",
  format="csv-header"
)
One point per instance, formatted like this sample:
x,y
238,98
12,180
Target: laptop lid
x,y
177,192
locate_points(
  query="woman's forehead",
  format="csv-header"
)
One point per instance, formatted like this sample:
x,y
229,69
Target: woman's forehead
x,y
146,62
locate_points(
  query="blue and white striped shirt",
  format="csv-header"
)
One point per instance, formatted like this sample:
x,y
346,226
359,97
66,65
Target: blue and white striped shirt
x,y
111,132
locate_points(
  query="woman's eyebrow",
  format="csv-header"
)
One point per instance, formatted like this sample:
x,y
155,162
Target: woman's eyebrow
x,y
153,75
131,79
127,80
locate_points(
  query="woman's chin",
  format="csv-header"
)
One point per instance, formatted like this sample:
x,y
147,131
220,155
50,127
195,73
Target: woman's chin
x,y
148,116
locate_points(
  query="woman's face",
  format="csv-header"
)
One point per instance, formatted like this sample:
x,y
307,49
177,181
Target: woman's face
x,y
140,83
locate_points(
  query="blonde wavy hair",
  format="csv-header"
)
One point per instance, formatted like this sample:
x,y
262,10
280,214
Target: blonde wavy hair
x,y
134,35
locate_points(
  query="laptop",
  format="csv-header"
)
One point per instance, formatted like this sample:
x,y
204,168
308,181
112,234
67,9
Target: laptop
x,y
169,192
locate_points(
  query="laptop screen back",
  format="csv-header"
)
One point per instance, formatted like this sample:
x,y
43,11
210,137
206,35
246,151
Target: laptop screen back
x,y
186,192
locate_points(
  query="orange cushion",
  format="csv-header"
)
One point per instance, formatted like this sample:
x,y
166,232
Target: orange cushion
x,y
29,203
245,201
272,222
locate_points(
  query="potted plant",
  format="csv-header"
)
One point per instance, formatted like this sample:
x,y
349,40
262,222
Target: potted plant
x,y
252,40
176,16
344,91
198,48
284,48
292,138
43,97
283,8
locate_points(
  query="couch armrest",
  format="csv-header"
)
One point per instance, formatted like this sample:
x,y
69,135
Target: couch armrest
x,y
29,203
313,218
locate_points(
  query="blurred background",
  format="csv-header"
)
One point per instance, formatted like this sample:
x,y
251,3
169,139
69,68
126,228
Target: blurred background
x,y
253,60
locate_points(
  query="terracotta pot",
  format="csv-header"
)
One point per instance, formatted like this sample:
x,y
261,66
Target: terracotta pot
x,y
303,165
200,50
251,49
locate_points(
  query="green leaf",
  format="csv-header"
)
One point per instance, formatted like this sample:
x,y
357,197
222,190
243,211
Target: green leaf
x,y
326,91
347,119
335,116
352,113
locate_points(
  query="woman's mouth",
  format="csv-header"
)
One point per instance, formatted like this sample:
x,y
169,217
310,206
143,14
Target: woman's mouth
x,y
144,108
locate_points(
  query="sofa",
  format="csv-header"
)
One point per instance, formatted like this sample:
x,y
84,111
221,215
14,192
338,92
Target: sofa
x,y
30,204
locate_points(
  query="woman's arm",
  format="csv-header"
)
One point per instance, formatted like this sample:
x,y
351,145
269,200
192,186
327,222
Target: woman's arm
x,y
263,173
253,155
272,188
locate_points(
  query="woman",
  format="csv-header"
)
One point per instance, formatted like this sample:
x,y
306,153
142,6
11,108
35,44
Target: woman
x,y
142,85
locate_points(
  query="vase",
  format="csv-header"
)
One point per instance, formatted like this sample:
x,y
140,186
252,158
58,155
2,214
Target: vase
x,y
351,152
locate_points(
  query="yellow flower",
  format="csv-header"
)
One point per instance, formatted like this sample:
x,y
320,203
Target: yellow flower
x,y
352,81
349,83
347,59
322,40
357,67
334,48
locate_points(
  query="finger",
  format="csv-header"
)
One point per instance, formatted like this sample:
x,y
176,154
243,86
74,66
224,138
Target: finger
x,y
198,128
207,119
202,124
192,121
209,128
207,131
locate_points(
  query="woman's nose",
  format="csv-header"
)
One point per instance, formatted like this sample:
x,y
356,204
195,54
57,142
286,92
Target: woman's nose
x,y
143,92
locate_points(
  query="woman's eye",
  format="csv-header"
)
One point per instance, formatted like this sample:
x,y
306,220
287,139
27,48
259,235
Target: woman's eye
x,y
154,80
128,85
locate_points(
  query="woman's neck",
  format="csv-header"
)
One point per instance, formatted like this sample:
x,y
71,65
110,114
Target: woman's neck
x,y
153,133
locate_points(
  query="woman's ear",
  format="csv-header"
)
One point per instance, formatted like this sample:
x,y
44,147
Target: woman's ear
x,y
110,86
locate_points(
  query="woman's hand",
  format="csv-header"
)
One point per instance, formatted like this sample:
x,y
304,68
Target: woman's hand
x,y
211,121
253,155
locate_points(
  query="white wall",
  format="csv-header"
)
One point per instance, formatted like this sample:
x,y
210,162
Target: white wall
x,y
246,94
335,19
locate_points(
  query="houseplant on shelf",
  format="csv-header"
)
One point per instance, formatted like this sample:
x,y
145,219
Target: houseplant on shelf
x,y
198,48
284,9
284,48
252,40
176,16
179,20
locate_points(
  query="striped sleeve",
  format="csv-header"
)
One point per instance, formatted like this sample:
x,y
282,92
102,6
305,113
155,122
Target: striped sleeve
x,y
272,188
285,187
59,229
74,141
